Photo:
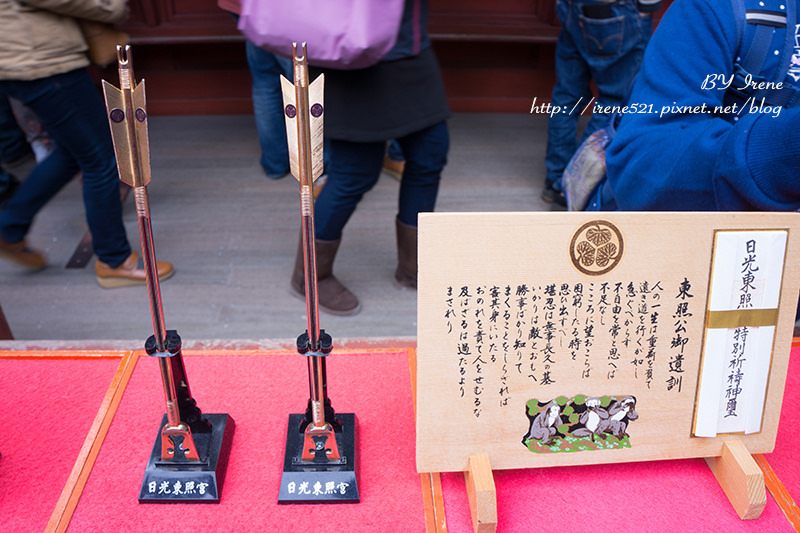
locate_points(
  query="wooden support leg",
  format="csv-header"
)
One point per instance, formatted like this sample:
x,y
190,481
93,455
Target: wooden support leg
x,y
433,502
482,494
740,477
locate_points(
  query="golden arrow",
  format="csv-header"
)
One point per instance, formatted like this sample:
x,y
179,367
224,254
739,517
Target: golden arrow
x,y
127,115
304,110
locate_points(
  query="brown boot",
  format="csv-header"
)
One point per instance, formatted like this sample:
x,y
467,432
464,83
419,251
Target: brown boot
x,y
128,273
19,253
405,277
333,297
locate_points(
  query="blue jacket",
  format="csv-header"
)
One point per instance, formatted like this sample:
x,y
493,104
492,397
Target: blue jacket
x,y
677,154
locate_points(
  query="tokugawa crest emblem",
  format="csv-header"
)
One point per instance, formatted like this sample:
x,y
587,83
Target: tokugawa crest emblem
x,y
596,248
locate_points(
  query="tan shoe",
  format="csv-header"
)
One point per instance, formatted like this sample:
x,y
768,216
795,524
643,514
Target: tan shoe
x,y
129,273
394,168
19,253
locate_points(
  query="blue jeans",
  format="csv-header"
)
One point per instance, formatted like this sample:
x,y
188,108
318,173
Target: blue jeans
x,y
394,151
608,51
13,141
354,168
73,113
12,138
266,69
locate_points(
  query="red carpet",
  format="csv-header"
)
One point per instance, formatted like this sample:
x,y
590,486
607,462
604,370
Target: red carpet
x,y
259,392
52,404
659,496
48,408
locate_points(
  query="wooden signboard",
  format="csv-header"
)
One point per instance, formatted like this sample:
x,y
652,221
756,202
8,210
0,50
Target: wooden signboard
x,y
551,339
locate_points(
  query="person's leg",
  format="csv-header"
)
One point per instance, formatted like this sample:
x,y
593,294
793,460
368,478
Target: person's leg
x,y
44,182
354,168
13,146
8,186
16,217
614,74
38,139
13,142
572,85
394,151
266,69
73,113
426,156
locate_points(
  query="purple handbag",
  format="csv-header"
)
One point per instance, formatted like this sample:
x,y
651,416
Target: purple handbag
x,y
341,34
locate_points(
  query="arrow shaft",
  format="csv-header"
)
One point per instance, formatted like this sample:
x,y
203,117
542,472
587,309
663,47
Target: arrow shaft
x,y
306,195
137,173
316,365
170,394
150,265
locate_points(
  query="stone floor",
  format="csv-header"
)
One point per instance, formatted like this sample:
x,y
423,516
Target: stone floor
x,y
232,236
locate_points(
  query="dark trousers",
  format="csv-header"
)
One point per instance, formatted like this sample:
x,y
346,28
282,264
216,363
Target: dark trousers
x,y
73,113
354,168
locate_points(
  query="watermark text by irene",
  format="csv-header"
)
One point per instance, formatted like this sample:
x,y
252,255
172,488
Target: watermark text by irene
x,y
752,105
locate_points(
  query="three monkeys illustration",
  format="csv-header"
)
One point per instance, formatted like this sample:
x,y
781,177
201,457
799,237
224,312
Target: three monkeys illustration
x,y
584,420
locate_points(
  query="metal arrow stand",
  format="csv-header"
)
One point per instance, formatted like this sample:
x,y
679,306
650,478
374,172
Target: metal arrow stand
x,y
320,460
190,454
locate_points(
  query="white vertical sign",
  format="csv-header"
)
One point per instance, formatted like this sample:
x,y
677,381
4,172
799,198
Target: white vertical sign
x,y
743,301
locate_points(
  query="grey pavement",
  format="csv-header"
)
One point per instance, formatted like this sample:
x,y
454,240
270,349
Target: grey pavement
x,y
232,235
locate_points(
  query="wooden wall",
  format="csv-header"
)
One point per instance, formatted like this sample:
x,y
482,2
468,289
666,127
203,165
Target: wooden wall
x,y
495,56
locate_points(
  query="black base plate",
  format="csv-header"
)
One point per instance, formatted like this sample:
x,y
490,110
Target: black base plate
x,y
320,482
165,481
